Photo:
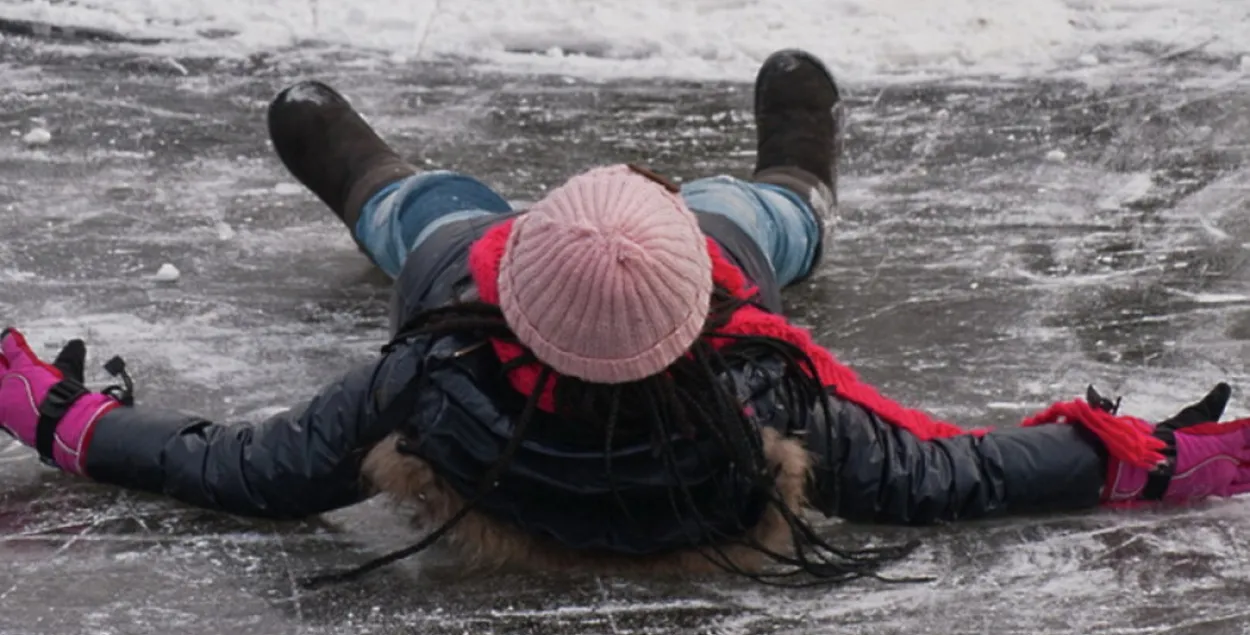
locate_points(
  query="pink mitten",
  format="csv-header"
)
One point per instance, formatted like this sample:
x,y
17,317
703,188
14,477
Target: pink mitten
x,y
1203,458
45,406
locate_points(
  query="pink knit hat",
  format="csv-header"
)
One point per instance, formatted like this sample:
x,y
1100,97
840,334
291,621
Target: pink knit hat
x,y
608,277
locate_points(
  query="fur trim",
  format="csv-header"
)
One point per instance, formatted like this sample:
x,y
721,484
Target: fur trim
x,y
485,544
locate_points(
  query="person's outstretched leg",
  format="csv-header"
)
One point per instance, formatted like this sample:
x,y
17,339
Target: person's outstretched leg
x,y
792,196
387,204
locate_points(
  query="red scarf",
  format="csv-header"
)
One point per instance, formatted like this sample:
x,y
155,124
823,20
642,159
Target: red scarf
x,y
1127,438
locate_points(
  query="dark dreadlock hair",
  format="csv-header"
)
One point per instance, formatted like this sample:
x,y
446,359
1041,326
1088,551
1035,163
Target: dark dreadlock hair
x,y
693,398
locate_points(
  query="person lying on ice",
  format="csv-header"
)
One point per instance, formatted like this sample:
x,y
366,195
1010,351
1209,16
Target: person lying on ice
x,y
606,380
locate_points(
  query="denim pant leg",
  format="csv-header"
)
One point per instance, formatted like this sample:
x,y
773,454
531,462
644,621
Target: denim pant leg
x,y
405,212
777,219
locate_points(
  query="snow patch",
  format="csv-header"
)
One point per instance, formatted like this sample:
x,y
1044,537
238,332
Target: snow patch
x,y
711,39
37,137
167,273
1133,190
307,93
16,275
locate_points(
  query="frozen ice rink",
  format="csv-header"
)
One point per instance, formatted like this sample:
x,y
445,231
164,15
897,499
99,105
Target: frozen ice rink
x,y
1036,196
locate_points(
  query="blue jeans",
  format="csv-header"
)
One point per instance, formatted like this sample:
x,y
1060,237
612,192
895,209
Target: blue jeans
x,y
403,214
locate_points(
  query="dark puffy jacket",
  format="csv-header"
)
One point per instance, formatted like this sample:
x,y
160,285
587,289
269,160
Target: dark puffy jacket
x,y
307,460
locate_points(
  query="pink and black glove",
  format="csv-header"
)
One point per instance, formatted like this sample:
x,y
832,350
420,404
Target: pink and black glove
x,y
46,406
1203,458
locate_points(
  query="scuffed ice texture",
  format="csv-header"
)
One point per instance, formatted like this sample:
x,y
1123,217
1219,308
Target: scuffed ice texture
x,y
704,39
968,275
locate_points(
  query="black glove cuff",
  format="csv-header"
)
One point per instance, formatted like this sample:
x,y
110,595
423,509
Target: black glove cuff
x,y
1159,478
1157,482
60,397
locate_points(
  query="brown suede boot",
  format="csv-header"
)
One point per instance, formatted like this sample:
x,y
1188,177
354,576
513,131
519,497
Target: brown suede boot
x,y
329,148
798,119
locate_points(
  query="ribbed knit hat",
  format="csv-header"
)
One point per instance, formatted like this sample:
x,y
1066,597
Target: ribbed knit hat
x,y
608,277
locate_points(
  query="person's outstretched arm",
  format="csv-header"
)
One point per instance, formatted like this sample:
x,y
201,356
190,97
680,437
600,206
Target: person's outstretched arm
x,y
298,463
869,469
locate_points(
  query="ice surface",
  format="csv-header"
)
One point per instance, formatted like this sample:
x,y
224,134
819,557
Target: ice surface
x,y
862,39
968,276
